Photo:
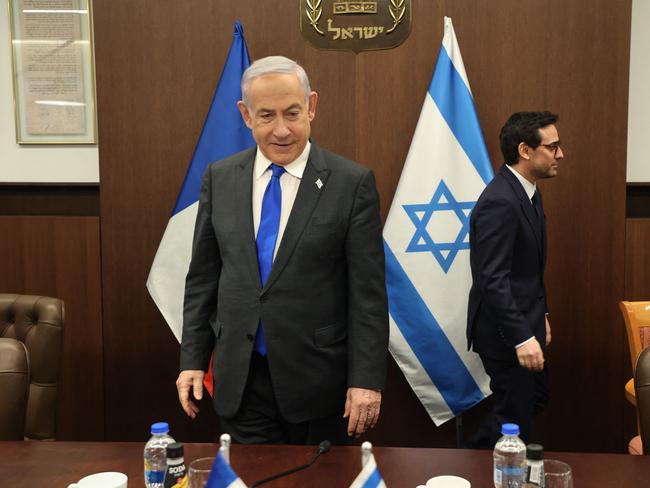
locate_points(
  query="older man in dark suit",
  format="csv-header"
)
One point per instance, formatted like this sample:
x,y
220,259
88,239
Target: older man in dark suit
x,y
286,284
507,318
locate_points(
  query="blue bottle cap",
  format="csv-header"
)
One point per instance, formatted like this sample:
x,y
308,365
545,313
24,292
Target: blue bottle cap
x,y
160,428
510,429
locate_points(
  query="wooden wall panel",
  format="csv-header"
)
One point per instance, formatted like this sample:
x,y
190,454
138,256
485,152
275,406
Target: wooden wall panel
x,y
637,279
152,104
638,201
59,257
637,259
584,77
157,66
21,199
514,62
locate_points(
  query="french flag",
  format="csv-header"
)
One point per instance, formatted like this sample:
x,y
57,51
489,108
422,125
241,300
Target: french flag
x,y
222,475
224,133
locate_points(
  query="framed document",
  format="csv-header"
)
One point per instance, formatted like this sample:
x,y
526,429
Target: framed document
x,y
54,72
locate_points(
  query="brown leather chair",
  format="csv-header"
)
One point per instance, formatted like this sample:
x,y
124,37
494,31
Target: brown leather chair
x,y
37,322
14,385
637,325
642,386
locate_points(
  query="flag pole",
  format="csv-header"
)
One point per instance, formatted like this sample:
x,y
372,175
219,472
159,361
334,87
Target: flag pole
x,y
459,430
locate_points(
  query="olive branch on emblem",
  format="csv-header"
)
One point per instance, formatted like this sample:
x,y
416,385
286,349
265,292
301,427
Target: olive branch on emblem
x,y
314,10
396,9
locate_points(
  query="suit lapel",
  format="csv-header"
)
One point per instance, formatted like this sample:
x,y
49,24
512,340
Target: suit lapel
x,y
306,199
543,226
526,206
244,209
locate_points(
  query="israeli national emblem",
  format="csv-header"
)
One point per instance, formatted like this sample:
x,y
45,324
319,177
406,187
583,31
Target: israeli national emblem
x,y
355,25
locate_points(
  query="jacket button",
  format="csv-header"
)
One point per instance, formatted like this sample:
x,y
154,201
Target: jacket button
x,y
250,337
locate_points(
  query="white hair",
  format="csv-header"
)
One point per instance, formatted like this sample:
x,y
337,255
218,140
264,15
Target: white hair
x,y
273,65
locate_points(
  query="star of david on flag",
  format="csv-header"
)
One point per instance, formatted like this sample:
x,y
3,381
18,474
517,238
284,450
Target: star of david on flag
x,y
426,240
420,214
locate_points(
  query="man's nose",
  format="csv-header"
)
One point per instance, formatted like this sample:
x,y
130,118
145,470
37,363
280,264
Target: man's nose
x,y
281,129
559,154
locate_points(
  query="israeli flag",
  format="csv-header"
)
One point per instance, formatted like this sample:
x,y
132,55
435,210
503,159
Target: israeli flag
x,y
222,475
426,239
369,476
224,133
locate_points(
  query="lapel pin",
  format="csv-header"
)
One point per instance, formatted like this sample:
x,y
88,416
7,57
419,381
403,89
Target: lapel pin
x,y
319,183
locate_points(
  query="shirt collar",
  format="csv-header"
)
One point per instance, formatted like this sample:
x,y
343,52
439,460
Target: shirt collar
x,y
529,187
295,168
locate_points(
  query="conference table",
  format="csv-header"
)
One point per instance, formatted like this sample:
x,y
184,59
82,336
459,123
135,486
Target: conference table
x,y
56,464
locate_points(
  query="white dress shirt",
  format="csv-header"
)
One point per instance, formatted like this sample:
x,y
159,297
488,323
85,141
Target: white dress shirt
x,y
289,183
529,187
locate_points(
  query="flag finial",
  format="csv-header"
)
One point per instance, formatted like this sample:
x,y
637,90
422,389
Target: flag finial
x,y
224,449
447,23
366,452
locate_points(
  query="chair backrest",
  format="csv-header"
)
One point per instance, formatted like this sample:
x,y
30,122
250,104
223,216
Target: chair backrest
x,y
642,386
37,322
637,325
14,385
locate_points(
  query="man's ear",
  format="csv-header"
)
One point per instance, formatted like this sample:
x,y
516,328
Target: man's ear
x,y
524,150
243,109
311,110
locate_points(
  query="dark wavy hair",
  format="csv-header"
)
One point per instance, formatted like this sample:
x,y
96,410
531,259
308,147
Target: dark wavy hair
x,y
523,127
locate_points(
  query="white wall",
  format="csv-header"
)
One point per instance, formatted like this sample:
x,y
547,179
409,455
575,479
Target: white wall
x,y
638,125
36,163
80,164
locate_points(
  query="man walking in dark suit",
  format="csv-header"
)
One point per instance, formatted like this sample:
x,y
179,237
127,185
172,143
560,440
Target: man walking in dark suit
x,y
507,322
286,285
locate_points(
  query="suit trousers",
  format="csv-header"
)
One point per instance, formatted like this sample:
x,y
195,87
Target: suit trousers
x,y
518,395
259,421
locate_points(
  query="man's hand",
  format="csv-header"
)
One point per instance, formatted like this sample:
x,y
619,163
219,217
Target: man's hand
x,y
190,378
548,331
530,355
362,409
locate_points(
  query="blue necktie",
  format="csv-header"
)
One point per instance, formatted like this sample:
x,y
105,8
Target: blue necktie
x,y
267,235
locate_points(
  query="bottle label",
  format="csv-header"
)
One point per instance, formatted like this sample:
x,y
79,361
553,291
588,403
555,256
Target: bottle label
x,y
152,476
535,476
509,473
176,476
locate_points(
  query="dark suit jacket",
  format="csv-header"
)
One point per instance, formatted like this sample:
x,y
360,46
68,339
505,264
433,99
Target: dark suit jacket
x,y
323,306
507,301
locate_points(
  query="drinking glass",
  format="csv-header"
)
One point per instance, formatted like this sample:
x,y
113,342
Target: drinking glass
x,y
557,474
199,472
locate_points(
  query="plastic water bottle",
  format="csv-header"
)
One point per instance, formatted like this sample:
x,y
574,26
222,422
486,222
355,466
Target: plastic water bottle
x,y
509,459
155,455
